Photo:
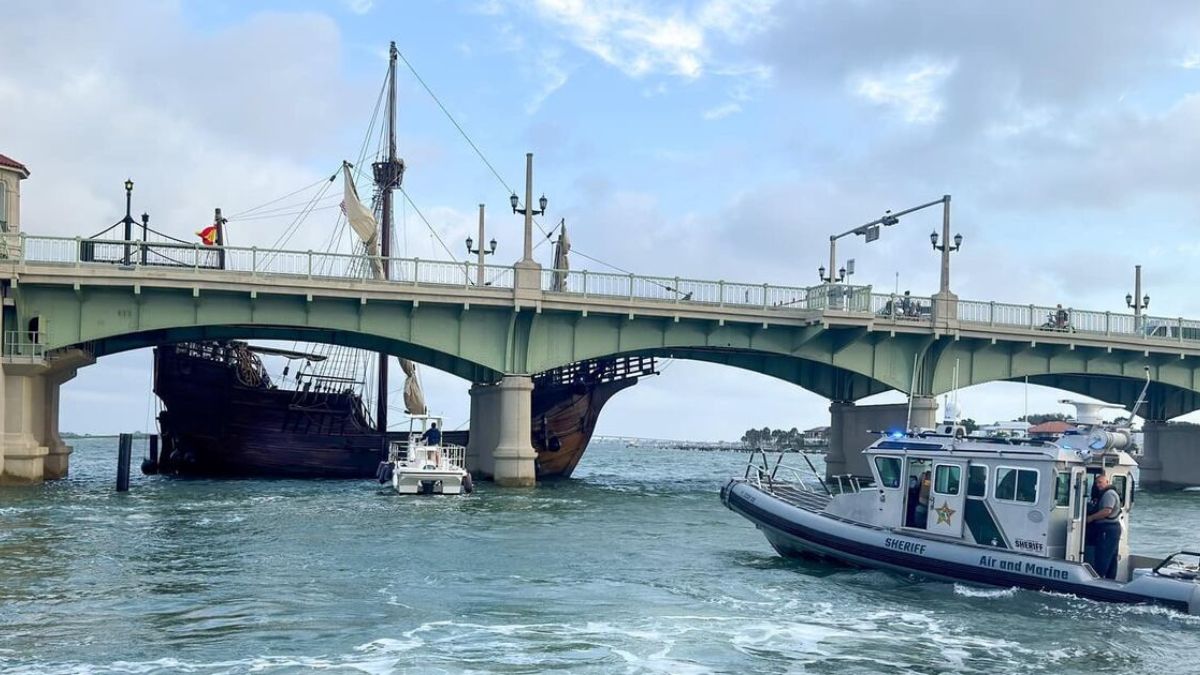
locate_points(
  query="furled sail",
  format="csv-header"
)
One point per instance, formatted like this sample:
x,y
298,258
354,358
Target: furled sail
x,y
414,398
362,221
561,248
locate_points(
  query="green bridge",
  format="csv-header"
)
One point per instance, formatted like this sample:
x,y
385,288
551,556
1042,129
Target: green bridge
x,y
841,341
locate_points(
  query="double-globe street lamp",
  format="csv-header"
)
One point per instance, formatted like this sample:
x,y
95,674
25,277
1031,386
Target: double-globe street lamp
x,y
481,251
1136,301
528,211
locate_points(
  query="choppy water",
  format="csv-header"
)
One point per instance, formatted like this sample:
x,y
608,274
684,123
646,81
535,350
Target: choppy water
x,y
632,567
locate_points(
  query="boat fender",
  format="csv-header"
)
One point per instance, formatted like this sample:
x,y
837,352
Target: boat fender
x,y
1194,603
468,484
149,468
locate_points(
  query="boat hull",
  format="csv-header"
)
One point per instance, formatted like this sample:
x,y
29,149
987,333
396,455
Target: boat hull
x,y
798,532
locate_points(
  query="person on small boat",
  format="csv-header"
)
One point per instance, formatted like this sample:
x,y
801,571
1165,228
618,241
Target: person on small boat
x,y
1108,527
432,435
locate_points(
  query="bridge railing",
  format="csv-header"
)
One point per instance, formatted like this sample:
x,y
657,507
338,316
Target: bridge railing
x,y
253,261
23,346
700,291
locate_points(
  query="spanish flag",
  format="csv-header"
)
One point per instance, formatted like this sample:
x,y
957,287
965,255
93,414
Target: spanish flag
x,y
208,235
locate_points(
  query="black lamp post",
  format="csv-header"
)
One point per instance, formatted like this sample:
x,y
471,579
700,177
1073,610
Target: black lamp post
x,y
145,229
128,219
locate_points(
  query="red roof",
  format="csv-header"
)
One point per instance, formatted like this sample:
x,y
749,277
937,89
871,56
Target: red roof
x,y
1051,428
5,160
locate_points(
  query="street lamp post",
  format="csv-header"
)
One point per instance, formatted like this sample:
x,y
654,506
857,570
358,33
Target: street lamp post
x,y
128,219
528,211
945,246
1136,300
481,251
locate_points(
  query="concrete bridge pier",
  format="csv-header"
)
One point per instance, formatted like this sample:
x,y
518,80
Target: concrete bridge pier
x,y
850,428
500,445
1170,455
31,449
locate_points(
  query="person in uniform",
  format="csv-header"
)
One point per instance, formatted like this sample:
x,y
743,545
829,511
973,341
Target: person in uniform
x,y
1107,524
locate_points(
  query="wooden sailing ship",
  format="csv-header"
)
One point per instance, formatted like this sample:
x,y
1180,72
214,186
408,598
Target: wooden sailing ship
x,y
223,415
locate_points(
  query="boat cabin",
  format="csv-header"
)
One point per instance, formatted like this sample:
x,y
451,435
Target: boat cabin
x,y
1024,496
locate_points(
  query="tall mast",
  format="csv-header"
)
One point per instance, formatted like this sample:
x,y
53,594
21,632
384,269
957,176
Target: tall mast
x,y
388,175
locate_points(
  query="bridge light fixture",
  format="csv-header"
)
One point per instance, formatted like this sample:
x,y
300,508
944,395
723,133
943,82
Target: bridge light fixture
x,y
841,274
821,272
1145,301
514,201
933,239
1129,300
492,243
470,245
542,203
128,185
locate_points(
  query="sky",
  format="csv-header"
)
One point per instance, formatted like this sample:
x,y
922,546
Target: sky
x,y
706,139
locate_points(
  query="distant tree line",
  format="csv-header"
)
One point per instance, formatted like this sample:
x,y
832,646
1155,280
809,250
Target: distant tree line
x,y
779,439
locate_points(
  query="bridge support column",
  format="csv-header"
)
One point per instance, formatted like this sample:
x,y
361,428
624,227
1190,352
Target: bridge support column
x,y
850,428
31,449
500,444
1169,455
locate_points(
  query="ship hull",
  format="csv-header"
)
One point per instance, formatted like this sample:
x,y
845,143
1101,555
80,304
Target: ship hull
x,y
213,424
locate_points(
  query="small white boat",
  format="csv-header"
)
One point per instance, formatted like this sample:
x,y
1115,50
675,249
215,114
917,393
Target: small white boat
x,y
990,511
422,464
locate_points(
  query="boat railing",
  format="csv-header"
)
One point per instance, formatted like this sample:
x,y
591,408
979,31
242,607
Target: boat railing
x,y
417,452
770,474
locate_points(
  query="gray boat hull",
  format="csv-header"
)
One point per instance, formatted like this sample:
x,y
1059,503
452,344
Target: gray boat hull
x,y
799,532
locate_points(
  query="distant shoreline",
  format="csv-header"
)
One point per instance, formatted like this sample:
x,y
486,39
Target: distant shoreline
x,y
76,436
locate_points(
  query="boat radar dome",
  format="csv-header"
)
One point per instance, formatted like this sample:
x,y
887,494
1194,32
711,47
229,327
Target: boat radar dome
x,y
1088,413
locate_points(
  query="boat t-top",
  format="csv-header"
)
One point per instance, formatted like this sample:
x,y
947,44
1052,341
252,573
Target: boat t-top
x,y
422,464
990,511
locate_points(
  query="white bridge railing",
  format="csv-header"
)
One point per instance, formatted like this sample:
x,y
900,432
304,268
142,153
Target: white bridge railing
x,y
840,298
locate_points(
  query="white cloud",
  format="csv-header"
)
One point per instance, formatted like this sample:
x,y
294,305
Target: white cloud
x,y
1191,61
551,76
359,6
912,90
641,42
722,111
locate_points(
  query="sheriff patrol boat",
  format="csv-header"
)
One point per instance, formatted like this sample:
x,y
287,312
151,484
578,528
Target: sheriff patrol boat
x,y
999,512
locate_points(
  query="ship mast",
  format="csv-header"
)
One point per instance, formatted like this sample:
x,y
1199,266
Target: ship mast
x,y
388,175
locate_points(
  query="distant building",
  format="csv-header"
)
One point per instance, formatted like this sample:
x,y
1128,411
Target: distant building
x,y
1014,429
1049,431
816,436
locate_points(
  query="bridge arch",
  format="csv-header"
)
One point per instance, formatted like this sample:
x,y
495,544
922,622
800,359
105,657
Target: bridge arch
x,y
1112,375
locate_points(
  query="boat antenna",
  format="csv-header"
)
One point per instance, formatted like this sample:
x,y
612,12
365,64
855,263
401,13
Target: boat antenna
x,y
1026,417
1141,397
911,388
388,175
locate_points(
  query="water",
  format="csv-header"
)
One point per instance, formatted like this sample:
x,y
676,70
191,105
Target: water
x,y
632,567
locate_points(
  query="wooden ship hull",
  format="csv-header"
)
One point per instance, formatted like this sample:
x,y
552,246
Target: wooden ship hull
x,y
223,417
